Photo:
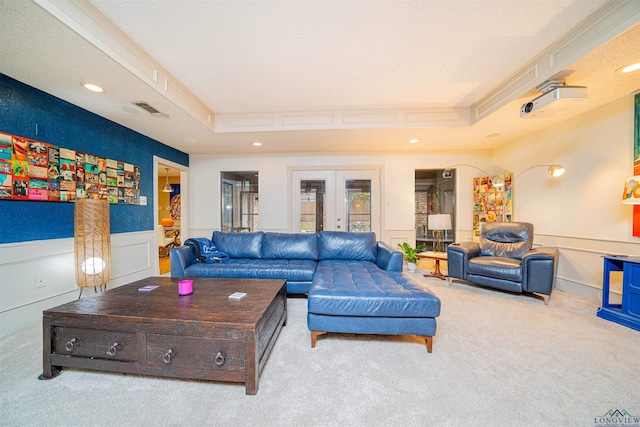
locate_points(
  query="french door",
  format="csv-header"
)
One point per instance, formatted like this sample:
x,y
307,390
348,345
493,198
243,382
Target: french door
x,y
340,200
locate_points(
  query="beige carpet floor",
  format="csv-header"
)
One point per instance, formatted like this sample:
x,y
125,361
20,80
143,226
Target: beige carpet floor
x,y
498,360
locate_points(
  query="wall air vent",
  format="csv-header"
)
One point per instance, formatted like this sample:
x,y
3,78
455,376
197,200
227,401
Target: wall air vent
x,y
149,109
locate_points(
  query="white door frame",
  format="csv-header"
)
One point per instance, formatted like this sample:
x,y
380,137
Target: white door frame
x,y
341,197
334,178
295,177
184,204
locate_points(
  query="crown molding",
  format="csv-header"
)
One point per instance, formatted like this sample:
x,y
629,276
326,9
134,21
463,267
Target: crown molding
x,y
612,19
83,18
345,119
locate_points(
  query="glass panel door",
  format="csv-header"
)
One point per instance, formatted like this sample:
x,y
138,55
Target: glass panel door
x,y
358,200
358,204
227,206
313,214
313,201
335,200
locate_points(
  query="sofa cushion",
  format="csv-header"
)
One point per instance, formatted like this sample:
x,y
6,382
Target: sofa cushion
x,y
347,246
239,245
290,270
290,246
498,267
360,288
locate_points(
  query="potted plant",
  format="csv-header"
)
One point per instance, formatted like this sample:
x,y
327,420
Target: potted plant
x,y
411,255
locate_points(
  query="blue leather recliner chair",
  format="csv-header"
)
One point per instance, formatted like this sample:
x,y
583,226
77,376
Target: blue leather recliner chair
x,y
505,259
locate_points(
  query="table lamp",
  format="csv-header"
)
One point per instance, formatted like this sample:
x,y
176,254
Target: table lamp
x,y
437,223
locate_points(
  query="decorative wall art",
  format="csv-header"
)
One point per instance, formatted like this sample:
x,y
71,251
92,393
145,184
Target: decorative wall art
x,y
35,170
636,158
174,203
491,203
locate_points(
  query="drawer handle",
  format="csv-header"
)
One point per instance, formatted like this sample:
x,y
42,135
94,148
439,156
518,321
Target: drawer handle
x,y
71,344
219,360
167,356
113,349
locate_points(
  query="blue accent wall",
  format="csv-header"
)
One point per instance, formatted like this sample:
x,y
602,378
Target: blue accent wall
x,y
23,109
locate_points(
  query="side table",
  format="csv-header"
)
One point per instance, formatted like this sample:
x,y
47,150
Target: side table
x,y
437,256
627,313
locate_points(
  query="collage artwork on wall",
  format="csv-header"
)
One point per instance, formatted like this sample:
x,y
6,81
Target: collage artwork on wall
x,y
35,170
491,203
174,202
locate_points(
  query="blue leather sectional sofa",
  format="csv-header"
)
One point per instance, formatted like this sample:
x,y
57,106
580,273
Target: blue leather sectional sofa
x,y
292,257
354,284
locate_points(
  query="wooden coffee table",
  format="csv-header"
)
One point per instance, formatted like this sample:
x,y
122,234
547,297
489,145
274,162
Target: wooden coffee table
x,y
437,256
203,336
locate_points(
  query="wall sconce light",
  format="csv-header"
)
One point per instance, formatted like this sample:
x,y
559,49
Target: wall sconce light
x,y
92,243
167,187
631,194
554,170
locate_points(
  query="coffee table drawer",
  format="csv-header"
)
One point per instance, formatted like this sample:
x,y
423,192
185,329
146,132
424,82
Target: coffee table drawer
x,y
95,344
193,357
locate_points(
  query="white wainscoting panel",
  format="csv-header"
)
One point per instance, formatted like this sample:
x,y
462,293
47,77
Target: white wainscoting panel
x,y
134,256
38,275
396,240
581,265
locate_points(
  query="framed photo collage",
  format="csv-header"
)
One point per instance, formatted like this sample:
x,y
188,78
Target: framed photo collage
x,y
35,170
491,203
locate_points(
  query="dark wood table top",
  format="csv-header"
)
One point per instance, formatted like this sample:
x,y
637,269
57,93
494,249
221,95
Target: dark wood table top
x,y
209,302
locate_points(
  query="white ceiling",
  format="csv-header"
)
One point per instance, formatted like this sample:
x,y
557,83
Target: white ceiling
x,y
261,66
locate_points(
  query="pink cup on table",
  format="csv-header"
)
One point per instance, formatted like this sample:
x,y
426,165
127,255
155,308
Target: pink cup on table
x,y
185,287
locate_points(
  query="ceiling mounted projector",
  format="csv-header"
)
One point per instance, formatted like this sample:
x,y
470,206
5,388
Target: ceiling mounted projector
x,y
554,100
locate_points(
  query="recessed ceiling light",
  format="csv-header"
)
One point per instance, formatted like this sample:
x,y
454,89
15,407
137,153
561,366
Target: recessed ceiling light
x,y
414,141
631,68
493,135
187,140
92,87
257,144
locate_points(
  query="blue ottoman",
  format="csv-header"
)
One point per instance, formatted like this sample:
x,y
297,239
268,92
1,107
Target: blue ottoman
x,y
358,297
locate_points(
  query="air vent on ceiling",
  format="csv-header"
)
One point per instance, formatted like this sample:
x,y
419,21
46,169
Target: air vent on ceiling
x,y
149,109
